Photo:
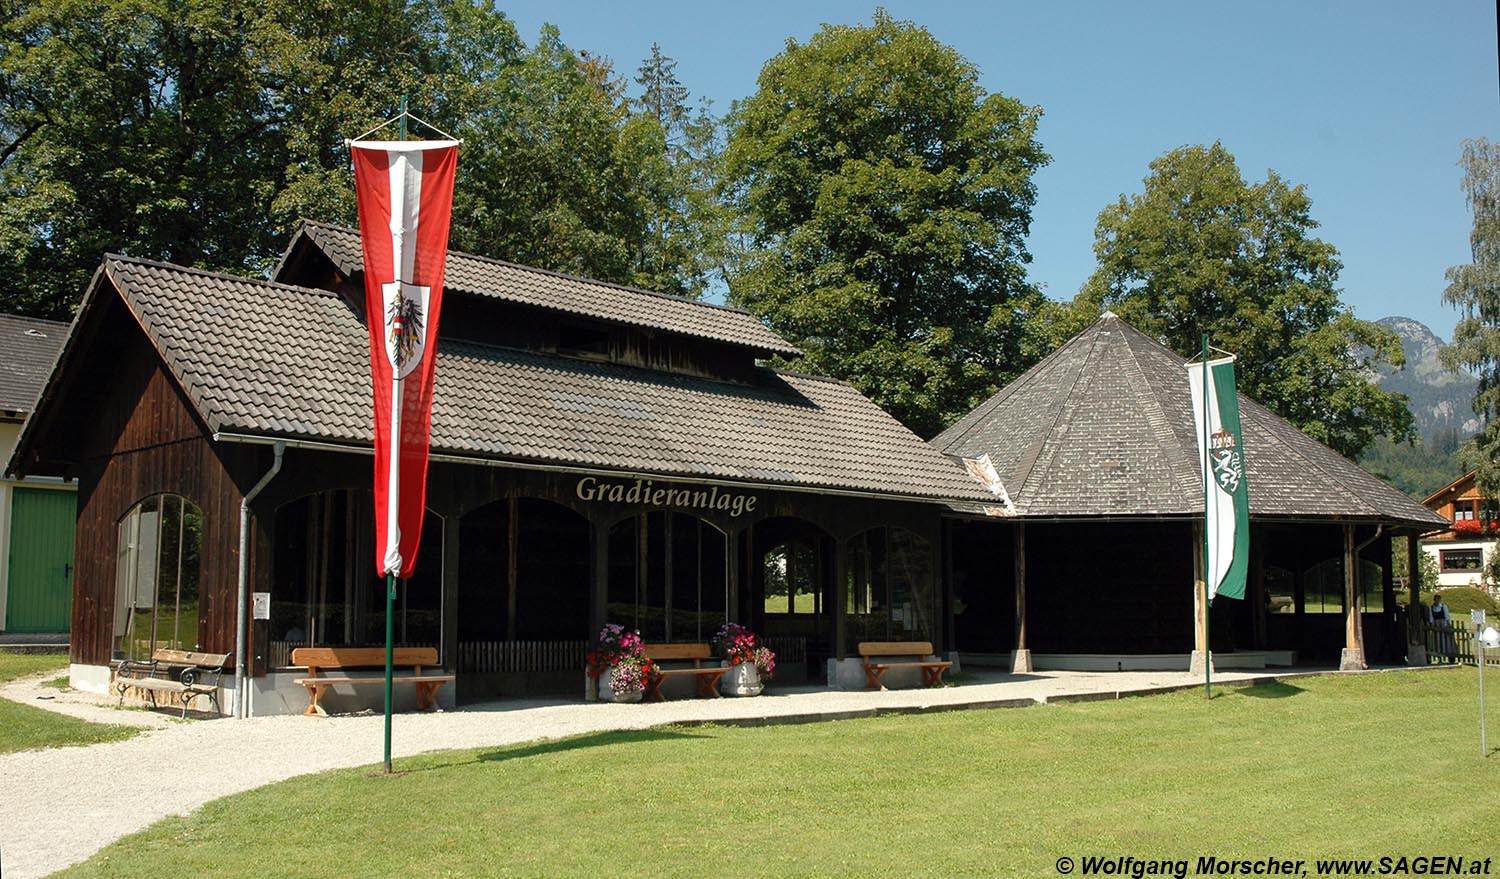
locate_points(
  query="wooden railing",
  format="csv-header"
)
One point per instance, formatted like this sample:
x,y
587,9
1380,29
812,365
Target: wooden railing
x,y
788,648
513,656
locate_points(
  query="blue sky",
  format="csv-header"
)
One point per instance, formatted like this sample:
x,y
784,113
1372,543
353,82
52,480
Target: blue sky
x,y
1365,103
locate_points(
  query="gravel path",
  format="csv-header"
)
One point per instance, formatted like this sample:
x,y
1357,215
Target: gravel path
x,y
62,805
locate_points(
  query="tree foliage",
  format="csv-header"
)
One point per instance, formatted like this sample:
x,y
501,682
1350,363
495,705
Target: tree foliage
x,y
883,199
1199,250
1475,290
199,132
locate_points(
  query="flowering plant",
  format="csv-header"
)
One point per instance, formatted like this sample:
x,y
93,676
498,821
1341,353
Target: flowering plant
x,y
620,649
737,644
1472,526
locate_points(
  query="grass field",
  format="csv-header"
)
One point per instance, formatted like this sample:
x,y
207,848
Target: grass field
x,y
1356,766
24,727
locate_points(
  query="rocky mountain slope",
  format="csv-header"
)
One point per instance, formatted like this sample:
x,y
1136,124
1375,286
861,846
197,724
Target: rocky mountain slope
x,y
1441,401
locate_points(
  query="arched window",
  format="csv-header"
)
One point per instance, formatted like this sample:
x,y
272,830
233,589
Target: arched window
x,y
668,576
889,594
157,572
324,587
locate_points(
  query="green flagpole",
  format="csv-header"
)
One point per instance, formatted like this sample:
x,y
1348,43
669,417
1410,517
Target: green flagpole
x,y
390,588
1208,602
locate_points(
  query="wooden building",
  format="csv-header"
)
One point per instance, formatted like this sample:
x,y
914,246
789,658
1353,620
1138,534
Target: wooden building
x,y
36,512
1464,548
598,454
1095,446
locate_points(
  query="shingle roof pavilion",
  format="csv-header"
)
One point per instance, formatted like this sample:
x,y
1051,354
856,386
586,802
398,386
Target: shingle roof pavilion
x,y
1103,428
262,359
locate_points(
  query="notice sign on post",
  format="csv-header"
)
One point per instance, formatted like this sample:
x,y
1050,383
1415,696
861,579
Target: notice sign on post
x,y
260,608
1476,617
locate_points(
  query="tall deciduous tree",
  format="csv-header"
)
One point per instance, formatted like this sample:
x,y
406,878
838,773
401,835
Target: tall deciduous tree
x,y
885,198
1475,290
1202,251
199,131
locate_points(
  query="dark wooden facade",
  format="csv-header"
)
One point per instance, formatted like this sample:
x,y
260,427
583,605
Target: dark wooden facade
x,y
143,438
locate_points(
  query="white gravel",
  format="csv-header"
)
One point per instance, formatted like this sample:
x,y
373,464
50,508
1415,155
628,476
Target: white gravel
x,y
62,805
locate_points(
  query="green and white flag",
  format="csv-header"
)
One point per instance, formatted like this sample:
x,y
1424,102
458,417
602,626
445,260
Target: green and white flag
x,y
1221,457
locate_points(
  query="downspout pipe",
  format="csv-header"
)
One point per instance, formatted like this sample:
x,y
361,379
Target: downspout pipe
x,y
242,613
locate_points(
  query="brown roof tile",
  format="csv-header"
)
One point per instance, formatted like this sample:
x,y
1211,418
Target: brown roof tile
x,y
262,358
524,285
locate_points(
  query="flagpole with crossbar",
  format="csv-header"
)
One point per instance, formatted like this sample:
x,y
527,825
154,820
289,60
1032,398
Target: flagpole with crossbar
x,y
1208,600
390,584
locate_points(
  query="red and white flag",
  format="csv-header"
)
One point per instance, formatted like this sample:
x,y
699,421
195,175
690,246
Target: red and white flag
x,y
405,191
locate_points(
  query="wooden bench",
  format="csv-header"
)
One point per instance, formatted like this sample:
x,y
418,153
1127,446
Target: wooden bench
x,y
706,678
185,673
932,669
323,658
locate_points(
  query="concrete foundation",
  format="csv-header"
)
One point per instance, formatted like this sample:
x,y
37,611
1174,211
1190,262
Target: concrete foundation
x,y
1020,662
1352,659
1201,663
1416,654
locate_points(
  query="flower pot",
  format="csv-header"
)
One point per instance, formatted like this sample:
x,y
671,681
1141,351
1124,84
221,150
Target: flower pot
x,y
607,693
741,680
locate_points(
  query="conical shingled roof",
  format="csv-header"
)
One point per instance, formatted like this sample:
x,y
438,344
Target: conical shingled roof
x,y
1103,428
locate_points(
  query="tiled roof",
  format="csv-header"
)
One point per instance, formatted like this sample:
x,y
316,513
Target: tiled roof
x,y
30,345
262,358
493,278
1104,427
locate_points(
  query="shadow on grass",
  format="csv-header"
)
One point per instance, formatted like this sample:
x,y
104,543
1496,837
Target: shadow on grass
x,y
558,746
1271,690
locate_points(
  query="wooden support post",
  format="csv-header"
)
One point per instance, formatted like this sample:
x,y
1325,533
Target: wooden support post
x,y
512,565
840,604
1416,631
1353,655
1201,653
1020,658
451,550
1257,591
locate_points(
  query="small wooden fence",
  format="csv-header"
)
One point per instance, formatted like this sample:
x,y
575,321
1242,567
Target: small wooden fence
x,y
520,656
1453,642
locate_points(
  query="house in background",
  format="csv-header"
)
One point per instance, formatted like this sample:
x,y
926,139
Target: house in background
x,y
1462,551
37,513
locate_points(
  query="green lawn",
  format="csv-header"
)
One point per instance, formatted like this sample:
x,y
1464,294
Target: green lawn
x,y
1356,766
24,727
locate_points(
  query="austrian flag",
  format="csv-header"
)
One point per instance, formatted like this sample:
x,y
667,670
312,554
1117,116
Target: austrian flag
x,y
405,193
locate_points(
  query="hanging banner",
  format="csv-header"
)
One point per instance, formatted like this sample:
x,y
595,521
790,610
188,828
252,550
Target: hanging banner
x,y
1221,459
405,193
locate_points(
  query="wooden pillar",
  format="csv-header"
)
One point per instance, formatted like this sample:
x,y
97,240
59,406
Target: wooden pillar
x,y
1416,634
1257,591
512,565
599,581
945,597
1201,653
840,601
734,562
1020,658
451,550
1353,655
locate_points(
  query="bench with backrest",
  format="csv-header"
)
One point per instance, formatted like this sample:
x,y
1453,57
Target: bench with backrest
x,y
319,660
185,674
922,657
707,679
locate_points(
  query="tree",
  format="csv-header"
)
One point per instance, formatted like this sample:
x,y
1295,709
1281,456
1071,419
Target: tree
x,y
1475,290
1202,251
677,154
200,131
882,199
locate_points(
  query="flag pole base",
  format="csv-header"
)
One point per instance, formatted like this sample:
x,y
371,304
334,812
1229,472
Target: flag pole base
x,y
1020,662
1352,659
1199,659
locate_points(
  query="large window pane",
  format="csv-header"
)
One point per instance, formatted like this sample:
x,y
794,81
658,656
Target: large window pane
x,y
157,573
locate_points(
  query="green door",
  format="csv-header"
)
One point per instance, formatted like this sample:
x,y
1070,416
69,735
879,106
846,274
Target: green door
x,y
41,560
